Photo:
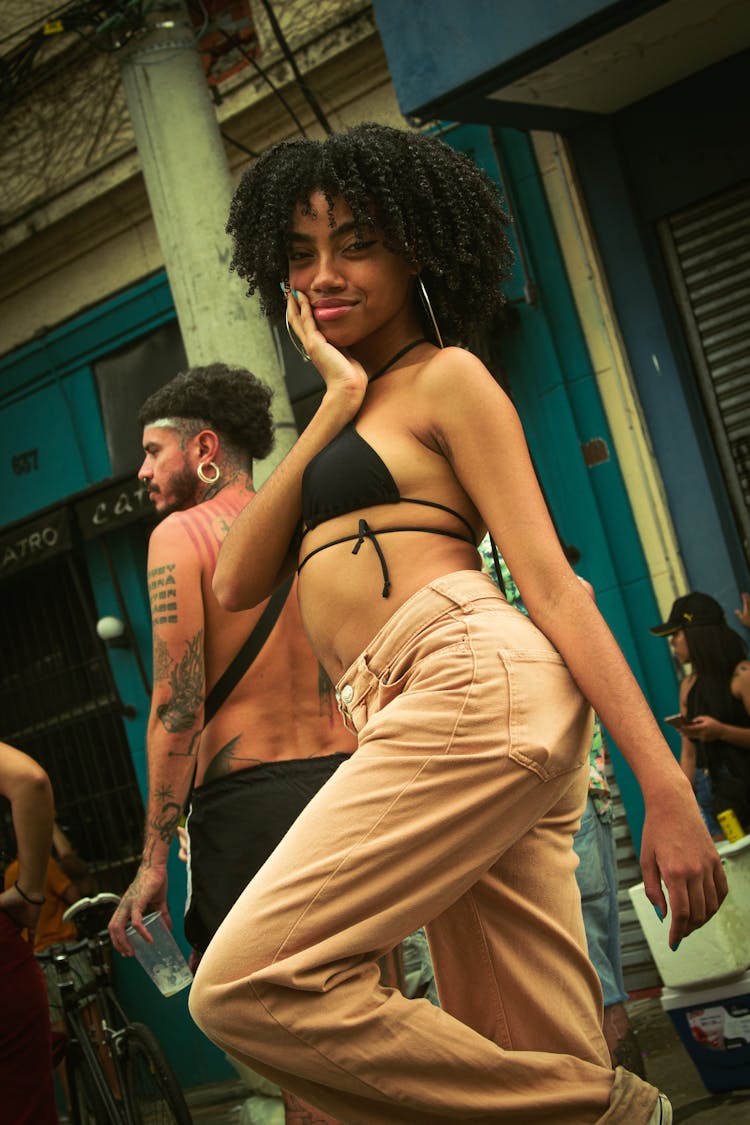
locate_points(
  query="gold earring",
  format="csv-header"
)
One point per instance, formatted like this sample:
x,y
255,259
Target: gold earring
x,y
202,473
428,309
295,342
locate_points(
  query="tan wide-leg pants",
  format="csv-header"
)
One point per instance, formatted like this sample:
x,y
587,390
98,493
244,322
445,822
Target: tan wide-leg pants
x,y
457,810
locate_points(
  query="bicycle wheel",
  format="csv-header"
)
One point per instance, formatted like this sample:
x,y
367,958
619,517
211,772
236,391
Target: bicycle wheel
x,y
87,1106
152,1091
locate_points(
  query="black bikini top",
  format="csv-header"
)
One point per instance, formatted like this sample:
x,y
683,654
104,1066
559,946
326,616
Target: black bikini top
x,y
348,475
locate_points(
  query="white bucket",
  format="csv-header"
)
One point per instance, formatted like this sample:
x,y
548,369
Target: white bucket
x,y
719,950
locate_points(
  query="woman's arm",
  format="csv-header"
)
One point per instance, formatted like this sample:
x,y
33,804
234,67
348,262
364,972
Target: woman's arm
x,y
254,556
27,787
688,759
472,416
688,754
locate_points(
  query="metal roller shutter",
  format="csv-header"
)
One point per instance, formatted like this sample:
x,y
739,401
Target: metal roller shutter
x,y
707,249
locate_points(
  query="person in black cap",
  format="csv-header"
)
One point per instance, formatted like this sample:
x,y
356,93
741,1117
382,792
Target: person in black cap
x,y
715,751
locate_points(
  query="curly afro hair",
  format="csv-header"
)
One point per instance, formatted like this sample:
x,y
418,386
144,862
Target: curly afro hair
x,y
229,400
434,206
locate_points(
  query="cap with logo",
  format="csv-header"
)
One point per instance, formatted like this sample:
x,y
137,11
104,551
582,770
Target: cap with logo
x,y
690,609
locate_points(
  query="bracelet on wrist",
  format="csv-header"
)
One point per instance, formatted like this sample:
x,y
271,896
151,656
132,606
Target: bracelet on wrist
x,y
28,898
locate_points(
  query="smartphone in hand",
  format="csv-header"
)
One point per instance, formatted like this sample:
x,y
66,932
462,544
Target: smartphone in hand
x,y
677,721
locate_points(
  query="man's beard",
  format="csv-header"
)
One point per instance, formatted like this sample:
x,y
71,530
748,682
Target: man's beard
x,y
181,488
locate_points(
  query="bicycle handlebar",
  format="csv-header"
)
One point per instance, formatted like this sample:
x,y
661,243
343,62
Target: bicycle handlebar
x,y
83,905
60,952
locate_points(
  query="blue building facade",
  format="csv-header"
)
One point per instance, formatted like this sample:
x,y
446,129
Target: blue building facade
x,y
646,101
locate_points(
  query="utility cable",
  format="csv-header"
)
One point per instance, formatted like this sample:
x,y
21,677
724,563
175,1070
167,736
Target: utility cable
x,y
289,56
253,62
239,145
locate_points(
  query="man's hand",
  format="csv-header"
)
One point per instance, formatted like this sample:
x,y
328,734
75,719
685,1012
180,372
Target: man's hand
x,y
743,613
23,913
147,892
676,850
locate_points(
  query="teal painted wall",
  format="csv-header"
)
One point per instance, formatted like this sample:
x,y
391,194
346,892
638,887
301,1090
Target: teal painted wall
x,y
51,431
554,389
49,403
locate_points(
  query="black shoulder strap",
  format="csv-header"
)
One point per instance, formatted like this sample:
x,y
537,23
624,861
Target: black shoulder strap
x,y
231,675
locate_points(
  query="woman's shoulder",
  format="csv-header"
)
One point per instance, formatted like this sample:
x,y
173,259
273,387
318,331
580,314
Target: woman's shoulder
x,y
455,371
450,359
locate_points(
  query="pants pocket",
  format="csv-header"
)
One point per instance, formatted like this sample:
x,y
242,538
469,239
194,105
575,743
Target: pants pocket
x,y
551,724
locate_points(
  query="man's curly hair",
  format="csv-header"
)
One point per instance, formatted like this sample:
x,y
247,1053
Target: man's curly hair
x,y
229,400
435,207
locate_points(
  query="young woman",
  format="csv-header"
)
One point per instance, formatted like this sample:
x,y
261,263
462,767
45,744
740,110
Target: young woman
x,y
459,806
715,748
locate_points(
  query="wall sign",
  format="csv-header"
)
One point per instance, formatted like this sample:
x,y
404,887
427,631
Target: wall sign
x,y
26,462
34,542
113,507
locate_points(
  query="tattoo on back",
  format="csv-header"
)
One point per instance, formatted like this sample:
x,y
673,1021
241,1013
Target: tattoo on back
x,y
226,760
325,692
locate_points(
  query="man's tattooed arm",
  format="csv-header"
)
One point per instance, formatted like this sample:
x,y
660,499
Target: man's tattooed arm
x,y
185,689
176,718
165,817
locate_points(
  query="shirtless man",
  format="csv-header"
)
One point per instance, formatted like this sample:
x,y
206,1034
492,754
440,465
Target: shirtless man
x,y
278,736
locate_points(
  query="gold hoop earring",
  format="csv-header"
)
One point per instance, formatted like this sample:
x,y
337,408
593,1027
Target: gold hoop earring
x,y
202,473
299,349
428,309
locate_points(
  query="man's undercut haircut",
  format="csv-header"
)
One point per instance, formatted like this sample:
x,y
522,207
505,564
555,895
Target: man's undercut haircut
x,y
229,400
434,207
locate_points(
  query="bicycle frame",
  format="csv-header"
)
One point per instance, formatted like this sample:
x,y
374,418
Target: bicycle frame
x,y
114,1026
80,1035
106,1052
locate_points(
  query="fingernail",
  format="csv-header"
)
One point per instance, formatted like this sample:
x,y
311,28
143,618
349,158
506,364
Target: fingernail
x,y
659,914
675,946
295,294
282,287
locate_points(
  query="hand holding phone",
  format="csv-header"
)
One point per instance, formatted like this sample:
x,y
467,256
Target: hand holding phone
x,y
678,721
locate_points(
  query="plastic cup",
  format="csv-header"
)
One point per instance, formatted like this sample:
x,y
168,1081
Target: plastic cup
x,y
162,960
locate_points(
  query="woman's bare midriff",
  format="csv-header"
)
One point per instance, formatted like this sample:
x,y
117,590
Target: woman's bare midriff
x,y
341,594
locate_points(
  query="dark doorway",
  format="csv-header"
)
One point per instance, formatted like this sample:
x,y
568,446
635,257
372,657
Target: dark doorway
x,y
60,705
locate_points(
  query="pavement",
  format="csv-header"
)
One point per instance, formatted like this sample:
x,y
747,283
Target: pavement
x,y
668,1066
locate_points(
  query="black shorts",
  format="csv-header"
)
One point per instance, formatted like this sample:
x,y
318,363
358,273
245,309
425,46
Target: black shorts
x,y
234,824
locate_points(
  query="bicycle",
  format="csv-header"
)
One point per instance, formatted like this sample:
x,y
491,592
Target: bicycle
x,y
141,1087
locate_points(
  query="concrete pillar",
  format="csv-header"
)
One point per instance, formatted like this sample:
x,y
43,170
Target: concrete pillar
x,y
189,188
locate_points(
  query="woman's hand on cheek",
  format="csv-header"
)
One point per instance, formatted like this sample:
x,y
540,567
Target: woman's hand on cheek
x,y
344,377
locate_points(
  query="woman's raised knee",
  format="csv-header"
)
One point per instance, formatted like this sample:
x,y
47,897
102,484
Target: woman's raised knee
x,y
228,1012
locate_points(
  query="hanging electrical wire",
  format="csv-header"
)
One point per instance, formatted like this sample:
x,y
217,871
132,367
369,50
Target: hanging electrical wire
x,y
289,56
108,27
238,144
105,28
275,90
